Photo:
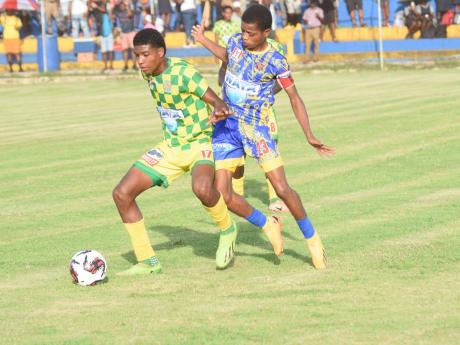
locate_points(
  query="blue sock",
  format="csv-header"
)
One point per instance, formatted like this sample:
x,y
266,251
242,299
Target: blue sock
x,y
306,227
257,218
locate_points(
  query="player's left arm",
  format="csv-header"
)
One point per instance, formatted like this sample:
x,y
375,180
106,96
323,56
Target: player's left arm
x,y
300,112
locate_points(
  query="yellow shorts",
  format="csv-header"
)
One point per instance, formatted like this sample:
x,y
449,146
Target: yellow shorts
x,y
164,164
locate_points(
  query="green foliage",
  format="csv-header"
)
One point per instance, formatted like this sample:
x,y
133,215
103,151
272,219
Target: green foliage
x,y
387,207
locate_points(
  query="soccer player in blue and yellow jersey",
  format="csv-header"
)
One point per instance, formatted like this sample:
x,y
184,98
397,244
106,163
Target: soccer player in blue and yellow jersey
x,y
253,68
183,101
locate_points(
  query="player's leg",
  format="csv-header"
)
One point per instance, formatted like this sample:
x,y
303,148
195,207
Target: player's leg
x,y
294,203
238,205
124,195
228,154
213,202
275,204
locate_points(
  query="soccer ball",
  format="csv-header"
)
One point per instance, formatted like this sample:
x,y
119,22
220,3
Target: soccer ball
x,y
87,267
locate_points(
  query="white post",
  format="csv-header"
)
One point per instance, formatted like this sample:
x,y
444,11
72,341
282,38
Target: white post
x,y
42,11
152,11
379,12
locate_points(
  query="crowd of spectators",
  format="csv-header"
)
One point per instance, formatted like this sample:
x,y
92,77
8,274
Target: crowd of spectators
x,y
114,22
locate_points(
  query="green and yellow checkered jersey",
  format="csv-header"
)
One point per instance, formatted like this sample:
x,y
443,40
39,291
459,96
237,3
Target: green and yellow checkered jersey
x,y
224,30
178,92
278,46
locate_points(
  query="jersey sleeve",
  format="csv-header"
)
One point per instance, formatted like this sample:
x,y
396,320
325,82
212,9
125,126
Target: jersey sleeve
x,y
283,72
195,82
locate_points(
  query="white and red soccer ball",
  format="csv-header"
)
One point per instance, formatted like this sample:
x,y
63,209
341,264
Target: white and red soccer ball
x,y
87,267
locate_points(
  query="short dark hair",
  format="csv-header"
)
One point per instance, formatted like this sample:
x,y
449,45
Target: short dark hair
x,y
258,14
151,37
227,8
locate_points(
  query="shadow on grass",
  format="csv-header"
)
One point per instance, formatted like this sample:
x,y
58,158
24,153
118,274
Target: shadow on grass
x,y
256,189
205,244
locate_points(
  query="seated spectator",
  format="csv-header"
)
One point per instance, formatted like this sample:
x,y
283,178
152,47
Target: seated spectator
x,y
78,14
411,19
328,8
11,39
312,17
352,6
419,18
425,11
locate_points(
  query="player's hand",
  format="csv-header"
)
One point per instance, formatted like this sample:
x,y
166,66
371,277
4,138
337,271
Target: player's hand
x,y
221,112
198,33
322,149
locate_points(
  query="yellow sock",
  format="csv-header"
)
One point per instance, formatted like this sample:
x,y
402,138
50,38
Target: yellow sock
x,y
238,185
140,240
219,212
271,192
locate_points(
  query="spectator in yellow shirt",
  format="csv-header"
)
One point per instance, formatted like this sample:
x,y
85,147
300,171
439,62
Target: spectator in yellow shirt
x,y
11,40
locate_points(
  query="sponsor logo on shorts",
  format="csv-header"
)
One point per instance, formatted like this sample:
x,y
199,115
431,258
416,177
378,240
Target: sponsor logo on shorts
x,y
152,157
221,146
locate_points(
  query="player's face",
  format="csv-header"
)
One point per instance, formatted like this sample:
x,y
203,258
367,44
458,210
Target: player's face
x,y
253,37
148,58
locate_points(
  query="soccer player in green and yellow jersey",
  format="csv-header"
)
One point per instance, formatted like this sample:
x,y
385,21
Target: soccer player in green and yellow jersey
x,y
182,97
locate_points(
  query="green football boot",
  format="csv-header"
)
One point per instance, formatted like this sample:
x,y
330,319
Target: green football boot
x,y
140,269
227,244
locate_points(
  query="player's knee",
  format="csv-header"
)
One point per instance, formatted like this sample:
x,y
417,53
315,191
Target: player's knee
x,y
202,189
120,196
283,190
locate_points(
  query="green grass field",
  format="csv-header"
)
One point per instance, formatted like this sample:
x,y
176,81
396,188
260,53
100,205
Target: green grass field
x,y
387,206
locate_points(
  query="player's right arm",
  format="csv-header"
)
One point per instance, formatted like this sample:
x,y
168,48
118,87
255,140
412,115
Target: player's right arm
x,y
218,51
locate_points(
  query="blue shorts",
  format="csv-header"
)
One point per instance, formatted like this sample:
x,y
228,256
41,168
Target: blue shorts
x,y
233,139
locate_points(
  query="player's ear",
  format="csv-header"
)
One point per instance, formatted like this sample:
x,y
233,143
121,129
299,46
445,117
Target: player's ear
x,y
267,33
161,52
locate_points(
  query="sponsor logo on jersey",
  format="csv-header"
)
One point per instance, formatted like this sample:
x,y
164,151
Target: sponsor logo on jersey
x,y
170,117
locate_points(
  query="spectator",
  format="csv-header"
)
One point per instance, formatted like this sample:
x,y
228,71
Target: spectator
x,y
78,14
165,10
51,11
11,39
106,40
293,11
236,12
223,30
65,22
329,18
385,7
425,11
411,20
312,17
124,15
178,25
212,5
352,6
188,12
96,10
148,22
